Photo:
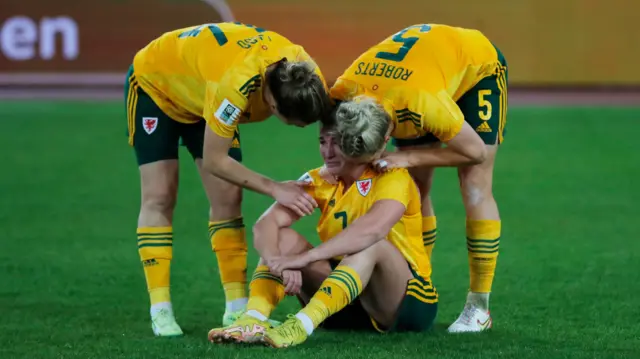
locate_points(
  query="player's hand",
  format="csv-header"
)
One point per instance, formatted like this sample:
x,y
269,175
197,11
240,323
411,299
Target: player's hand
x,y
292,280
391,160
292,195
279,264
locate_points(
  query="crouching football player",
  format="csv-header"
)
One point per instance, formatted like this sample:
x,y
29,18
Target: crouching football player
x,y
371,270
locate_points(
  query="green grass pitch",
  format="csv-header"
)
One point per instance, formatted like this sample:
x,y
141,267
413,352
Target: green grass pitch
x,y
71,284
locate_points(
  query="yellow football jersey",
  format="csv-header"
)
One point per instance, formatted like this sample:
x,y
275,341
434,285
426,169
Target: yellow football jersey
x,y
213,71
341,206
418,74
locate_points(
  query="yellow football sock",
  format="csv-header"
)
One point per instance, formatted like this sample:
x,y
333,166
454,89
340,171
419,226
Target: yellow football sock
x,y
265,291
229,244
155,249
483,242
429,232
339,289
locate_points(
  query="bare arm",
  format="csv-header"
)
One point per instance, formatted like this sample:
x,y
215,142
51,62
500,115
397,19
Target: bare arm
x,y
217,161
267,229
444,119
466,148
364,232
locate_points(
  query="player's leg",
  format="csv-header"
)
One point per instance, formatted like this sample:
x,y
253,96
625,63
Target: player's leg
x,y
378,274
154,138
226,226
261,301
267,290
423,176
485,109
396,298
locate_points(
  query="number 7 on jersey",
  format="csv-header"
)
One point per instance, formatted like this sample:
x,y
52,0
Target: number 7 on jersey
x,y
343,216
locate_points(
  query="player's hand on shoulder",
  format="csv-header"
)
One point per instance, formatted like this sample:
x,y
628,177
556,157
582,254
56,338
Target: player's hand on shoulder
x,y
292,195
391,160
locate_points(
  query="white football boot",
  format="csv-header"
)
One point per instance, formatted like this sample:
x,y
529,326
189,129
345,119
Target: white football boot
x,y
474,318
164,323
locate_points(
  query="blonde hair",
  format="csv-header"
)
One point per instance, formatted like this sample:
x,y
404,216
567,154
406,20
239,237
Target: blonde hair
x,y
361,127
298,91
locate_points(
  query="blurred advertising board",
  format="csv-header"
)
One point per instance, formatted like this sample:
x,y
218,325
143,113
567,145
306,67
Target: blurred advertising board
x,y
546,42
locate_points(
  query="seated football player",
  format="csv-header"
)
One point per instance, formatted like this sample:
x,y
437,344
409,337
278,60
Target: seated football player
x,y
371,270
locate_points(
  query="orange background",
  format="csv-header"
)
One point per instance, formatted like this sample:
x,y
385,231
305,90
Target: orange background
x,y
575,42
546,42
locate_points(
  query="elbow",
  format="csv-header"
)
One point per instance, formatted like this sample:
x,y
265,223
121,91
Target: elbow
x,y
476,152
478,155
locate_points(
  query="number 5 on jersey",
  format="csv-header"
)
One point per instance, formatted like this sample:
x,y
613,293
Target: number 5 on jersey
x,y
407,44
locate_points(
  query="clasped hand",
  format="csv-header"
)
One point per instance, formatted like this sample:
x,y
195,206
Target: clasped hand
x,y
288,268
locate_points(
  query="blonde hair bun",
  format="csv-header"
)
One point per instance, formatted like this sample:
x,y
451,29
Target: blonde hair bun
x,y
361,125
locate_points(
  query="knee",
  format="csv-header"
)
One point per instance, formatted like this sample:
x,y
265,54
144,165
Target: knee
x,y
380,248
159,187
231,196
161,202
226,204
